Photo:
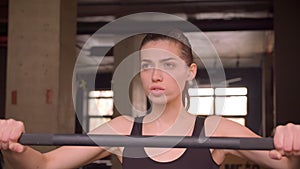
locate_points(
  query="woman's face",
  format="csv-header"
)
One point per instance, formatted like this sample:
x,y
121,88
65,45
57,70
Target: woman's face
x,y
163,72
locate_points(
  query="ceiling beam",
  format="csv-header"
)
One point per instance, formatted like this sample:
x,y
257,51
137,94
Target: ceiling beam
x,y
124,7
204,25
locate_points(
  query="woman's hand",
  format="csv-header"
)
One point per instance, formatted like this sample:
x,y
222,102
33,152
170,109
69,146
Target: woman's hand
x,y
10,132
286,141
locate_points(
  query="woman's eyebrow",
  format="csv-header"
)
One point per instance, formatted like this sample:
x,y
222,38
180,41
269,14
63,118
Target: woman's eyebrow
x,y
167,59
161,60
146,60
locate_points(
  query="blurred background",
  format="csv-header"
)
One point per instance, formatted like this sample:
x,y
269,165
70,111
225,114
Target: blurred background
x,y
257,42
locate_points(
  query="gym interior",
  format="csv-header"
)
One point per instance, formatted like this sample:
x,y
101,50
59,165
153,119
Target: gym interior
x,y
41,41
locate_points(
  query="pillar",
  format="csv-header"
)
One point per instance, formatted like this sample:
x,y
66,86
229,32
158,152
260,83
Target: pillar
x,y
123,57
41,57
286,60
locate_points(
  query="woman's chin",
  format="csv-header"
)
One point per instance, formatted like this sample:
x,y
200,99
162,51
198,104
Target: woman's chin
x,y
158,99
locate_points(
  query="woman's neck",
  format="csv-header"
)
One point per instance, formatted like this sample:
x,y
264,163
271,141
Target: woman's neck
x,y
171,118
167,112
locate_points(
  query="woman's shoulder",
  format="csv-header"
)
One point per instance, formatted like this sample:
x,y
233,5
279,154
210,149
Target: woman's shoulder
x,y
219,126
212,124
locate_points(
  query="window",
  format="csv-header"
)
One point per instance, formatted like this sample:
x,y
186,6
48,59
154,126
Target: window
x,y
100,108
228,102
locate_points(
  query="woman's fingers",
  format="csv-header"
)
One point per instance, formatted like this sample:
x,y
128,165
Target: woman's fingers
x,y
10,132
286,141
296,145
16,147
274,154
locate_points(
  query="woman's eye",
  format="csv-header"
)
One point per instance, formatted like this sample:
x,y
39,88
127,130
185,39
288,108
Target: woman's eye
x,y
146,66
169,65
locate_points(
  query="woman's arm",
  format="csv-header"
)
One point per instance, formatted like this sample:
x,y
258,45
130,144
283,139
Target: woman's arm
x,y
60,158
221,127
20,156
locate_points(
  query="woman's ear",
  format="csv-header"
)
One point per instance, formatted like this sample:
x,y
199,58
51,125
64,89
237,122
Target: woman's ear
x,y
192,71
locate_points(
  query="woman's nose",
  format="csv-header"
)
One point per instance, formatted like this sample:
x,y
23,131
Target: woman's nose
x,y
157,75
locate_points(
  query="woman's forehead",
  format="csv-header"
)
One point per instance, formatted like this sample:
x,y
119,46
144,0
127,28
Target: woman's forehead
x,y
161,48
159,54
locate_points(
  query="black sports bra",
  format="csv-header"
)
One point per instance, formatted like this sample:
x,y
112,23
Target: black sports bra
x,y
192,158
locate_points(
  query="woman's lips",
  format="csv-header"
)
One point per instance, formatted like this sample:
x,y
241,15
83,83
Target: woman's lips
x,y
157,90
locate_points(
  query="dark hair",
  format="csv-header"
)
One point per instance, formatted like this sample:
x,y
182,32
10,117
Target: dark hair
x,y
186,53
177,37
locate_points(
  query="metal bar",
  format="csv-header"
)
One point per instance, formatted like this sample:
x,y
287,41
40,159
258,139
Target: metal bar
x,y
147,141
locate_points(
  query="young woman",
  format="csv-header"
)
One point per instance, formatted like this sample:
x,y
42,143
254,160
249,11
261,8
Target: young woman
x,y
166,67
